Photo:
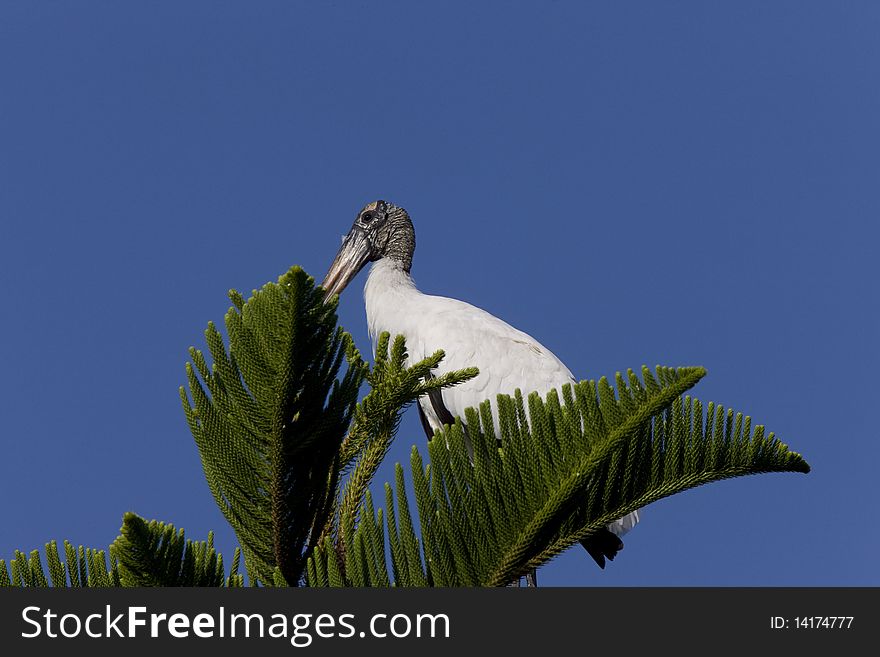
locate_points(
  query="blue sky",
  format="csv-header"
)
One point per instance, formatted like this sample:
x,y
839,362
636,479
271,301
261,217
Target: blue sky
x,y
639,183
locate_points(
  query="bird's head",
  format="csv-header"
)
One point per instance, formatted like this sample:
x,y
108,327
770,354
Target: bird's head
x,y
380,230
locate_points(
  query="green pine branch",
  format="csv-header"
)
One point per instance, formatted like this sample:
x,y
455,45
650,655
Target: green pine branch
x,y
269,417
393,387
563,470
82,567
144,554
155,554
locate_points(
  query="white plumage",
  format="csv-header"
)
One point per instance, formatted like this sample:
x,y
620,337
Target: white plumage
x,y
471,337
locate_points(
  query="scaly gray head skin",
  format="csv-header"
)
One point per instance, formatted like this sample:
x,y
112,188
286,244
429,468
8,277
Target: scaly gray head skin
x,y
381,230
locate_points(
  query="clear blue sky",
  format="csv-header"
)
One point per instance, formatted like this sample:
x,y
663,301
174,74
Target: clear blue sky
x,y
631,183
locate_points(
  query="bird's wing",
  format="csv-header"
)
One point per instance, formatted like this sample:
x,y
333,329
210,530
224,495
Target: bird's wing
x,y
471,337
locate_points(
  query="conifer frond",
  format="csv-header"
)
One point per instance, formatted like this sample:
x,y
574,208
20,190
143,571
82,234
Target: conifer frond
x,y
394,385
145,554
269,416
83,567
554,472
235,580
155,554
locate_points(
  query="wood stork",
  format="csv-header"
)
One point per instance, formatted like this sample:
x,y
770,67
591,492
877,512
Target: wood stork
x,y
507,358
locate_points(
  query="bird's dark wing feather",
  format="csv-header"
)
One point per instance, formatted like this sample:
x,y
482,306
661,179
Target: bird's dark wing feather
x,y
429,432
604,544
439,407
441,411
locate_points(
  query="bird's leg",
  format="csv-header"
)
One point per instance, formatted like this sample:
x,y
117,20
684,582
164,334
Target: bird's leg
x,y
531,580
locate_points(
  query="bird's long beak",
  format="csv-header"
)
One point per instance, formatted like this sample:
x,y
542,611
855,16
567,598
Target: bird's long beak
x,y
353,255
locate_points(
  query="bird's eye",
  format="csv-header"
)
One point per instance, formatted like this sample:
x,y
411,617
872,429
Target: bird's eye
x,y
367,217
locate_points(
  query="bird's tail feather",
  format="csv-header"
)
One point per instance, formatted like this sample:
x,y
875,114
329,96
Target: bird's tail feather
x,y
606,543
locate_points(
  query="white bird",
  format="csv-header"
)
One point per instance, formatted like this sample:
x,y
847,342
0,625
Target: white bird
x,y
506,357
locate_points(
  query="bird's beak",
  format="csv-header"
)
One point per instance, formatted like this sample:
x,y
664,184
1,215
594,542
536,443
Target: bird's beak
x,y
353,255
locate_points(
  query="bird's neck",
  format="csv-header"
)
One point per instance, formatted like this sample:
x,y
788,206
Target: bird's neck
x,y
401,242
388,276
389,294
399,253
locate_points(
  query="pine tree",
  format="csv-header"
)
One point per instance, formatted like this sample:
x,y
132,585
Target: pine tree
x,y
289,454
